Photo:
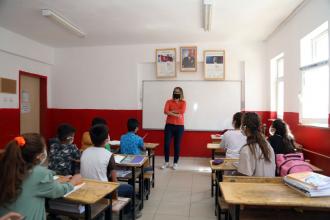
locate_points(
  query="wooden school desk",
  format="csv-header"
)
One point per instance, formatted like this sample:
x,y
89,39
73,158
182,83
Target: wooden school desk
x,y
133,167
267,194
215,147
89,194
227,165
151,154
216,139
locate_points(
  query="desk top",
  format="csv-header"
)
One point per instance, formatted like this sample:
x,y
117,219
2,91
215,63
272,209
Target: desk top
x,y
216,137
268,194
212,146
151,145
92,191
226,165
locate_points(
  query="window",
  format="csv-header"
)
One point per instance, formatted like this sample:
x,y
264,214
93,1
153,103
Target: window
x,y
314,67
277,88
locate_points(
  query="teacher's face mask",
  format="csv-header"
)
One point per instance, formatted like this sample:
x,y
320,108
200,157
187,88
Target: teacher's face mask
x,y
176,96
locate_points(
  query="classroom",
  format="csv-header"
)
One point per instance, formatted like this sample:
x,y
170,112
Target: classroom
x,y
154,110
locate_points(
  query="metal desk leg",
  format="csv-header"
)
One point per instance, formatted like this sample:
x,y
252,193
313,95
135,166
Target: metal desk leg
x,y
234,211
88,212
216,190
153,170
141,187
108,211
133,199
213,151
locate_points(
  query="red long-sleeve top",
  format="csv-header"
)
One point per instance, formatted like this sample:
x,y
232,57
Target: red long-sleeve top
x,y
176,107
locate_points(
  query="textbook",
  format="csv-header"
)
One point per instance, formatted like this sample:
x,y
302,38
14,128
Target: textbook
x,y
310,180
67,206
129,159
307,192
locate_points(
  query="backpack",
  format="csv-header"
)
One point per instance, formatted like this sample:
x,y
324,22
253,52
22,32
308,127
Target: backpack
x,y
291,163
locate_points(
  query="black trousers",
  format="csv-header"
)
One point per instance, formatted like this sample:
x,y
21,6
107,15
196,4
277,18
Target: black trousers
x,y
175,131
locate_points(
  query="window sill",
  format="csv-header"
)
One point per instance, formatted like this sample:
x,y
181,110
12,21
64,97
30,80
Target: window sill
x,y
316,125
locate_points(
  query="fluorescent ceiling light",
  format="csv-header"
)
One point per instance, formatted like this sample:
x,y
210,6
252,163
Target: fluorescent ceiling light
x,y
207,13
63,21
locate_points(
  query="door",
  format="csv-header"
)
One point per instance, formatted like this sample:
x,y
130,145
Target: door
x,y
30,104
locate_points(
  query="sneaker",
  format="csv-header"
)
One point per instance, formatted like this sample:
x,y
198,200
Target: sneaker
x,y
175,166
138,215
165,165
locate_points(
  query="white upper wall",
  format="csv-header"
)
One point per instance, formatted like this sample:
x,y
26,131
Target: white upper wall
x,y
20,53
110,77
287,40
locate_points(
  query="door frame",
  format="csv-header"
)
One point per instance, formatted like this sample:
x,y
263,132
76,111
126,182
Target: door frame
x,y
43,99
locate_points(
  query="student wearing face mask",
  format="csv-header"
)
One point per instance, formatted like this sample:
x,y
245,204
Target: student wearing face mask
x,y
174,128
281,139
63,153
24,183
256,157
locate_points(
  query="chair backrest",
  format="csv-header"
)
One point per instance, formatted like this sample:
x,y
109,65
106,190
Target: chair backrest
x,y
252,179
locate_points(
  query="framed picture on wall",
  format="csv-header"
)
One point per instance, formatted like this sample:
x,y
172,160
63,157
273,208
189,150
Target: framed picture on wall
x,y
188,59
166,63
214,64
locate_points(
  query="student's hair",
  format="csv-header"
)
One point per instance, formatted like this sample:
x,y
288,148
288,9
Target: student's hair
x,y
99,120
237,119
251,122
99,133
181,92
64,131
132,124
283,130
16,162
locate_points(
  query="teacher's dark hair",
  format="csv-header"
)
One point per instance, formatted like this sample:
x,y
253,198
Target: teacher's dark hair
x,y
181,92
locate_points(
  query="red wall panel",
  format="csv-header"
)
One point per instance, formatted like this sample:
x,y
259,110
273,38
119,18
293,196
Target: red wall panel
x,y
9,125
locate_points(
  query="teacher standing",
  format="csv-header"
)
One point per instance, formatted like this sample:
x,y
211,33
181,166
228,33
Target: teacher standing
x,y
174,109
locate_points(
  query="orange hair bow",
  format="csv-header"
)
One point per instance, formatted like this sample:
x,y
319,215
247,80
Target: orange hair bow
x,y
20,141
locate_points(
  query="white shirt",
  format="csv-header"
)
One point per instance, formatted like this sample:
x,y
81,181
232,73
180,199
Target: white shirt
x,y
94,163
251,165
233,140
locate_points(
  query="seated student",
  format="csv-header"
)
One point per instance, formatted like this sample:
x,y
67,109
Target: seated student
x,y
24,183
86,138
233,140
63,153
256,157
281,138
98,163
131,143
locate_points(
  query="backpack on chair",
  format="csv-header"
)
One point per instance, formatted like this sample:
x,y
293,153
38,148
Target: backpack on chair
x,y
291,163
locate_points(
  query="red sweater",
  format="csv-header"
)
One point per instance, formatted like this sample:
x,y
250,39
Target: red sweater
x,y
176,107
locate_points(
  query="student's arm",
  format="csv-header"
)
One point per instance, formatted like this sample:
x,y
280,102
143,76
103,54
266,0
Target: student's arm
x,y
75,155
50,188
246,164
141,144
112,175
86,140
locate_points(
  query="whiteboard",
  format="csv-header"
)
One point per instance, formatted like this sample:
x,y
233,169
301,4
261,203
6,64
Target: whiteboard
x,y
210,104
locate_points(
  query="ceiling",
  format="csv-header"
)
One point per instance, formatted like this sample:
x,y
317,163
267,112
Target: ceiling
x,y
109,22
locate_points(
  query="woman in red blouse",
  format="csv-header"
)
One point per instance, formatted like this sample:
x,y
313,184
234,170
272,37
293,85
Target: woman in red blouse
x,y
174,109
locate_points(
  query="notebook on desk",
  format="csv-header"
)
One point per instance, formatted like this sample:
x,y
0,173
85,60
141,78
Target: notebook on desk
x,y
129,159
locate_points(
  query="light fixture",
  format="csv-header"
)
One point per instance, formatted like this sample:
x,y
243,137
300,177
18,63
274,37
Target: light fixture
x,y
207,13
63,21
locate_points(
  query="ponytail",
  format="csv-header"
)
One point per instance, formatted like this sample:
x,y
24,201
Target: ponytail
x,y
12,172
19,157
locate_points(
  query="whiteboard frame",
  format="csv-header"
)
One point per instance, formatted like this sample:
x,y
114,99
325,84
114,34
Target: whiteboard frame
x,y
206,81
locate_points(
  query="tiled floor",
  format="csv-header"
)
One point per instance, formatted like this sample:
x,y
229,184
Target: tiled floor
x,y
182,194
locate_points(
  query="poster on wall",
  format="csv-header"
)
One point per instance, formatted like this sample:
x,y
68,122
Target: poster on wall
x,y
166,63
25,102
188,59
214,64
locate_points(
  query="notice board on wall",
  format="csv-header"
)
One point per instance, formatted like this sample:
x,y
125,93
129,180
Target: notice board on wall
x,y
7,86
